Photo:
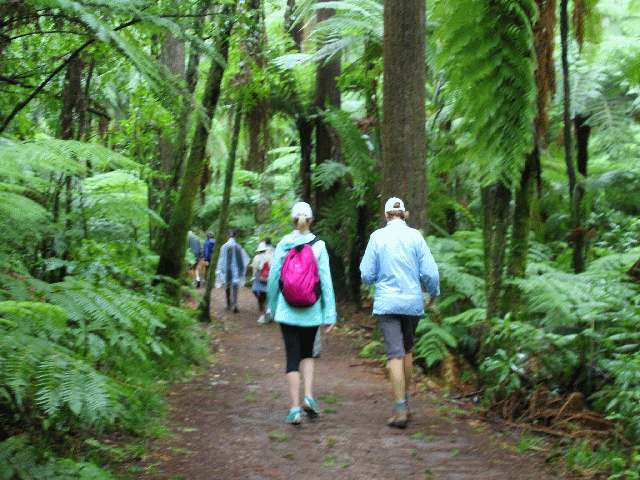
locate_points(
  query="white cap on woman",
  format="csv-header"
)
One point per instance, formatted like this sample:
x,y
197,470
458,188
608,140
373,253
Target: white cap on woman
x,y
301,209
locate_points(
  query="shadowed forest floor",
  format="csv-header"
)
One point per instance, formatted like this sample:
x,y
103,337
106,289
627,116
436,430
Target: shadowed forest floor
x,y
227,422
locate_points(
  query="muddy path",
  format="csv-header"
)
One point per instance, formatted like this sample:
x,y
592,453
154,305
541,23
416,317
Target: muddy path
x,y
227,423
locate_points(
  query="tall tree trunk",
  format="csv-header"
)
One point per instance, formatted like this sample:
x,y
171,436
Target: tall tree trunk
x,y
579,233
175,241
303,123
327,149
544,39
84,120
184,121
403,125
71,95
172,57
517,261
495,206
223,220
357,251
566,90
305,133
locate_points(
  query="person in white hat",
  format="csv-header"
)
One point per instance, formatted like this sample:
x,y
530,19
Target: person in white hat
x,y
399,263
261,266
300,321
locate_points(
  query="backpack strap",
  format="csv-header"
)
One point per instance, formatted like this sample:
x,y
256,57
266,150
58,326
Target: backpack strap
x,y
311,244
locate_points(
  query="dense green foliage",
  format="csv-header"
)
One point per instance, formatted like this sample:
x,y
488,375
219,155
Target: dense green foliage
x,y
84,337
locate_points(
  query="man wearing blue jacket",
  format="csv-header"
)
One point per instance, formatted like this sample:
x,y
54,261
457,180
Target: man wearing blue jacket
x,y
399,263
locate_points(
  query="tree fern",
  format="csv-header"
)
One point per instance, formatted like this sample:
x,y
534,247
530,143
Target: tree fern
x,y
434,342
485,50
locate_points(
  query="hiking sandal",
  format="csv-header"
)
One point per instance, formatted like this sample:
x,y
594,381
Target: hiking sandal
x,y
294,417
310,407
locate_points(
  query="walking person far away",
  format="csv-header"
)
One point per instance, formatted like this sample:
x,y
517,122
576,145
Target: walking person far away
x,y
231,270
195,246
399,263
300,295
261,266
209,245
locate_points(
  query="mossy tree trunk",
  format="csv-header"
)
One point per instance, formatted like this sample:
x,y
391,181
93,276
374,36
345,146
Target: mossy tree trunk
x,y
223,220
175,242
496,201
185,119
404,116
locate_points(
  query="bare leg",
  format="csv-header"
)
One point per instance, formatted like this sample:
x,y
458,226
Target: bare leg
x,y
293,379
307,366
396,372
408,371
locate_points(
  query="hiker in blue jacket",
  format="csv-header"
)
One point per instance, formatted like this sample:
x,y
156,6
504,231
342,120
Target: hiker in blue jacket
x,y
399,263
299,324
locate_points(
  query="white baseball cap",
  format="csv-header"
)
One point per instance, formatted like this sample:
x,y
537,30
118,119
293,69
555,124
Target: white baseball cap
x,y
262,247
394,204
301,209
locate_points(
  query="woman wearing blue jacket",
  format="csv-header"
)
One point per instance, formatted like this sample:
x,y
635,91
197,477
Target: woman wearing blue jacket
x,y
299,325
399,263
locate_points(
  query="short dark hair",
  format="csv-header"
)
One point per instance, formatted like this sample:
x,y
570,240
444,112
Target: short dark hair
x,y
233,233
267,241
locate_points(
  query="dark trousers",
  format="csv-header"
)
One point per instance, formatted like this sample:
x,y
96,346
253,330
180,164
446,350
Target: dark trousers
x,y
298,343
232,295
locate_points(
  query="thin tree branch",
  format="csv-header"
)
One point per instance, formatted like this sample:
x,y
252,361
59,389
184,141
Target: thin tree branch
x,y
18,108
43,32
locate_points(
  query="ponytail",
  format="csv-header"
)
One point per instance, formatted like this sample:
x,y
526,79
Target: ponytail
x,y
302,222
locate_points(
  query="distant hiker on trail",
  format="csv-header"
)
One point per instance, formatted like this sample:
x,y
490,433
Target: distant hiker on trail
x,y
209,244
261,266
399,263
231,270
195,246
300,294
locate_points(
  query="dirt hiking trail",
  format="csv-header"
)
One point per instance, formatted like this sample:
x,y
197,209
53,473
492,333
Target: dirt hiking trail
x,y
227,423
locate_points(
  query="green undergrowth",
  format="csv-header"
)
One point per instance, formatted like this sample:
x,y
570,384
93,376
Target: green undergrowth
x,y
88,344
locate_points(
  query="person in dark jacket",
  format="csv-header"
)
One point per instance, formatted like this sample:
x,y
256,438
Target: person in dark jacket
x,y
209,245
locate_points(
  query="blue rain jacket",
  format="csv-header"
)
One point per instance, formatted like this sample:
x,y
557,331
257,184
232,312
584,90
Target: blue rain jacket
x,y
399,263
323,312
209,244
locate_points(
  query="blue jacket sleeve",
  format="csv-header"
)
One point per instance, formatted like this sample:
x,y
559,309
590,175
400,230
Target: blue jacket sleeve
x,y
328,298
429,275
369,264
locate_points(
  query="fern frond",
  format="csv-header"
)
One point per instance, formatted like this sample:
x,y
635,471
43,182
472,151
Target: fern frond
x,y
485,50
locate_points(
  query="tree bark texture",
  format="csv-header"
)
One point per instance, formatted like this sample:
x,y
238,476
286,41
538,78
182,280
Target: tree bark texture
x,y
71,95
403,125
566,90
223,220
579,230
184,122
517,261
305,133
495,205
175,242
